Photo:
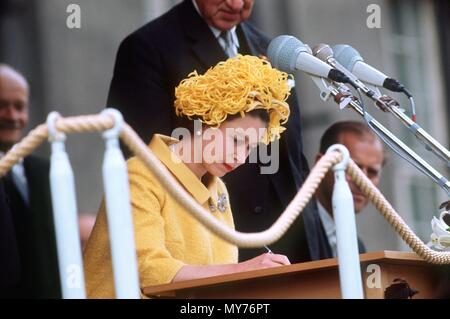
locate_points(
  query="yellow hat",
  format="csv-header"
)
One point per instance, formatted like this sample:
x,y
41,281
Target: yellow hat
x,y
237,85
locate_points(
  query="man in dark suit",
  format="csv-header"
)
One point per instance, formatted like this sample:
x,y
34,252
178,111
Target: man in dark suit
x,y
367,151
9,253
28,190
196,35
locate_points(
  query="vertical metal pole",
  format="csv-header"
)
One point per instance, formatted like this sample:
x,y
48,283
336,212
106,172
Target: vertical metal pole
x,y
62,186
120,223
347,242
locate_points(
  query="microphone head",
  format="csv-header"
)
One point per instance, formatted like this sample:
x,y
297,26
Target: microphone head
x,y
323,52
283,52
347,56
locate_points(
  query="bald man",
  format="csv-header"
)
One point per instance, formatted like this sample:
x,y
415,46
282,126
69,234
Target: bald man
x,y
28,191
14,94
367,151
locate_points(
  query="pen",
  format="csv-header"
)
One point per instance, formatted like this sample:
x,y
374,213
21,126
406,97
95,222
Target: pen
x,y
268,249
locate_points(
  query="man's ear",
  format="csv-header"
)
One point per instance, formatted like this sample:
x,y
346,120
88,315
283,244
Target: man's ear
x,y
318,157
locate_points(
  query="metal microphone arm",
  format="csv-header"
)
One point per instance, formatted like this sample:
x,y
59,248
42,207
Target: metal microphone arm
x,y
426,139
342,96
430,143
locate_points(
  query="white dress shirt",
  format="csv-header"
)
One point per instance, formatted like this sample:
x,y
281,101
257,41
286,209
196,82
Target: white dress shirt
x,y
330,227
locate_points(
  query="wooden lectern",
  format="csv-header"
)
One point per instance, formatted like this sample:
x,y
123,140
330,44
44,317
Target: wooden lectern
x,y
385,274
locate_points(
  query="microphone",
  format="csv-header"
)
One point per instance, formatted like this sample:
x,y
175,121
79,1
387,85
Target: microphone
x,y
326,54
288,54
352,61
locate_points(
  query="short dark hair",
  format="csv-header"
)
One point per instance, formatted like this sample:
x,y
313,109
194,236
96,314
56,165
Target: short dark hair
x,y
332,134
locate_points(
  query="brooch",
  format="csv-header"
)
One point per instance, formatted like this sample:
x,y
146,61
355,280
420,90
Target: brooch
x,y
222,202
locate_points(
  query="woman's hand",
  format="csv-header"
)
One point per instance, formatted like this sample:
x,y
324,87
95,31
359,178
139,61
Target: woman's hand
x,y
263,261
188,272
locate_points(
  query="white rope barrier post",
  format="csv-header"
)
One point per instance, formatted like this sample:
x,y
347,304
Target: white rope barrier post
x,y
120,223
62,186
347,242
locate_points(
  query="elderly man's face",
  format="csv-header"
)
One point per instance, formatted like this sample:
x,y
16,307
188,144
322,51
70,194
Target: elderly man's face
x,y
13,108
225,14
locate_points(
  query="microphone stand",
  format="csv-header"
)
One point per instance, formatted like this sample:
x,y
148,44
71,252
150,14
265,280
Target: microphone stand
x,y
430,143
426,139
343,97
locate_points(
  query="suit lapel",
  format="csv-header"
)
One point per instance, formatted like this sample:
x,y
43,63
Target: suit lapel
x,y
30,175
248,40
14,195
37,174
204,44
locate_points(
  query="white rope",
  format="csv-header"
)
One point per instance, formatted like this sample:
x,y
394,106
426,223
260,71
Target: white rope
x,y
266,237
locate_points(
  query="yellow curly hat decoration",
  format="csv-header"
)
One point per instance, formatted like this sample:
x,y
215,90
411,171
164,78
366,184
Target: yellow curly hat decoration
x,y
237,85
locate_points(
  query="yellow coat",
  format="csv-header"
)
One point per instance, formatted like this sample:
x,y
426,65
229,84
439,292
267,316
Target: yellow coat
x,y
166,236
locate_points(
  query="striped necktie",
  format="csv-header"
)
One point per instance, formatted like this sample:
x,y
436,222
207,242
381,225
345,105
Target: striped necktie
x,y
227,43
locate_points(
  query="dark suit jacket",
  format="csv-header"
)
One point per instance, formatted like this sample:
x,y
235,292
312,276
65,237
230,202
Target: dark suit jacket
x,y
9,253
34,228
150,64
361,247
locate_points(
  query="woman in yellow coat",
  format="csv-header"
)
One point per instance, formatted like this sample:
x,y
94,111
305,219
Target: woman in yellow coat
x,y
240,102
